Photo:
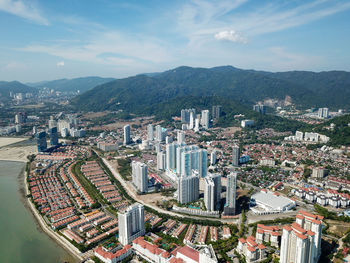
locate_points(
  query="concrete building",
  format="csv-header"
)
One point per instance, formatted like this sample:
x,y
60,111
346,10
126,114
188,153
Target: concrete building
x,y
235,155
181,137
160,133
323,113
265,202
319,172
213,158
230,206
188,189
212,192
139,176
127,139
107,147
150,132
268,234
41,141
131,223
205,120
252,251
260,108
247,123
161,161
301,242
53,136
185,115
216,111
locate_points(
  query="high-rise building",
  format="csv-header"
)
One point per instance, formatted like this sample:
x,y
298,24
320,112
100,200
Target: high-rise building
x,y
192,118
186,113
41,141
169,139
188,189
180,137
196,125
301,242
205,119
53,136
260,108
171,156
18,128
131,223
139,176
213,158
150,132
212,192
161,133
216,111
235,155
193,159
34,130
161,161
230,207
127,139
323,113
18,118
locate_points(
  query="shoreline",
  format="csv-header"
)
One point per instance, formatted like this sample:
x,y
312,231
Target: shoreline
x,y
61,241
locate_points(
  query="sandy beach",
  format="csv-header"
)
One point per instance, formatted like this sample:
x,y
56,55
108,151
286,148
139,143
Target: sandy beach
x,y
5,141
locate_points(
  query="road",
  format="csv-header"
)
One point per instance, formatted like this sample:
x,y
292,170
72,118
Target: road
x,y
161,210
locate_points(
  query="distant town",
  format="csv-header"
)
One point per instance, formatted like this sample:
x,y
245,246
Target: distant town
x,y
188,190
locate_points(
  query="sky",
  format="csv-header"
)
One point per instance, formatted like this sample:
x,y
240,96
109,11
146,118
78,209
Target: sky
x,y
47,39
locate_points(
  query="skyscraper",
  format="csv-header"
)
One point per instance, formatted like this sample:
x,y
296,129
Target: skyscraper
x,y
171,156
161,161
150,132
205,119
139,176
188,189
127,139
213,158
131,223
301,242
212,192
260,108
230,207
235,155
41,141
53,136
192,118
160,133
323,113
180,137
186,113
216,111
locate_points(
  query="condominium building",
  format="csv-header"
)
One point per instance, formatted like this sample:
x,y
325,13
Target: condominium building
x,y
160,133
212,192
213,158
186,113
150,132
260,108
216,111
205,119
127,139
235,155
230,207
323,113
53,136
139,176
180,137
301,242
188,189
161,161
41,141
131,223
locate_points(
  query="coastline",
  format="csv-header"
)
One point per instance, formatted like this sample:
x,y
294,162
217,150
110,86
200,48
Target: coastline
x,y
19,154
56,237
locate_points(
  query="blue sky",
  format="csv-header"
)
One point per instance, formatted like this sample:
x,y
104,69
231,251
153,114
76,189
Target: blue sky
x,y
45,40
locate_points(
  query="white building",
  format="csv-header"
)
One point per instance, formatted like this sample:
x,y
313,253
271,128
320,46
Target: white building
x,y
205,119
247,123
127,139
212,192
131,223
139,176
213,158
161,161
231,188
150,132
188,189
235,155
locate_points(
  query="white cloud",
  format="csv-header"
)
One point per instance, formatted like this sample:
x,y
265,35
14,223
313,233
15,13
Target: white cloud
x,y
14,65
60,64
23,9
231,35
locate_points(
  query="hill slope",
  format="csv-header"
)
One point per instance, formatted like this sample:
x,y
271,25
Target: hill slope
x,y
133,94
15,87
72,85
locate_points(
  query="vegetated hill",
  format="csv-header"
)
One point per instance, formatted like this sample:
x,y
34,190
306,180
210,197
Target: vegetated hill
x,y
72,85
332,87
14,87
340,135
133,94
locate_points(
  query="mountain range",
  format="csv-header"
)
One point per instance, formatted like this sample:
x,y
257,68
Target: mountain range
x,y
135,94
71,85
